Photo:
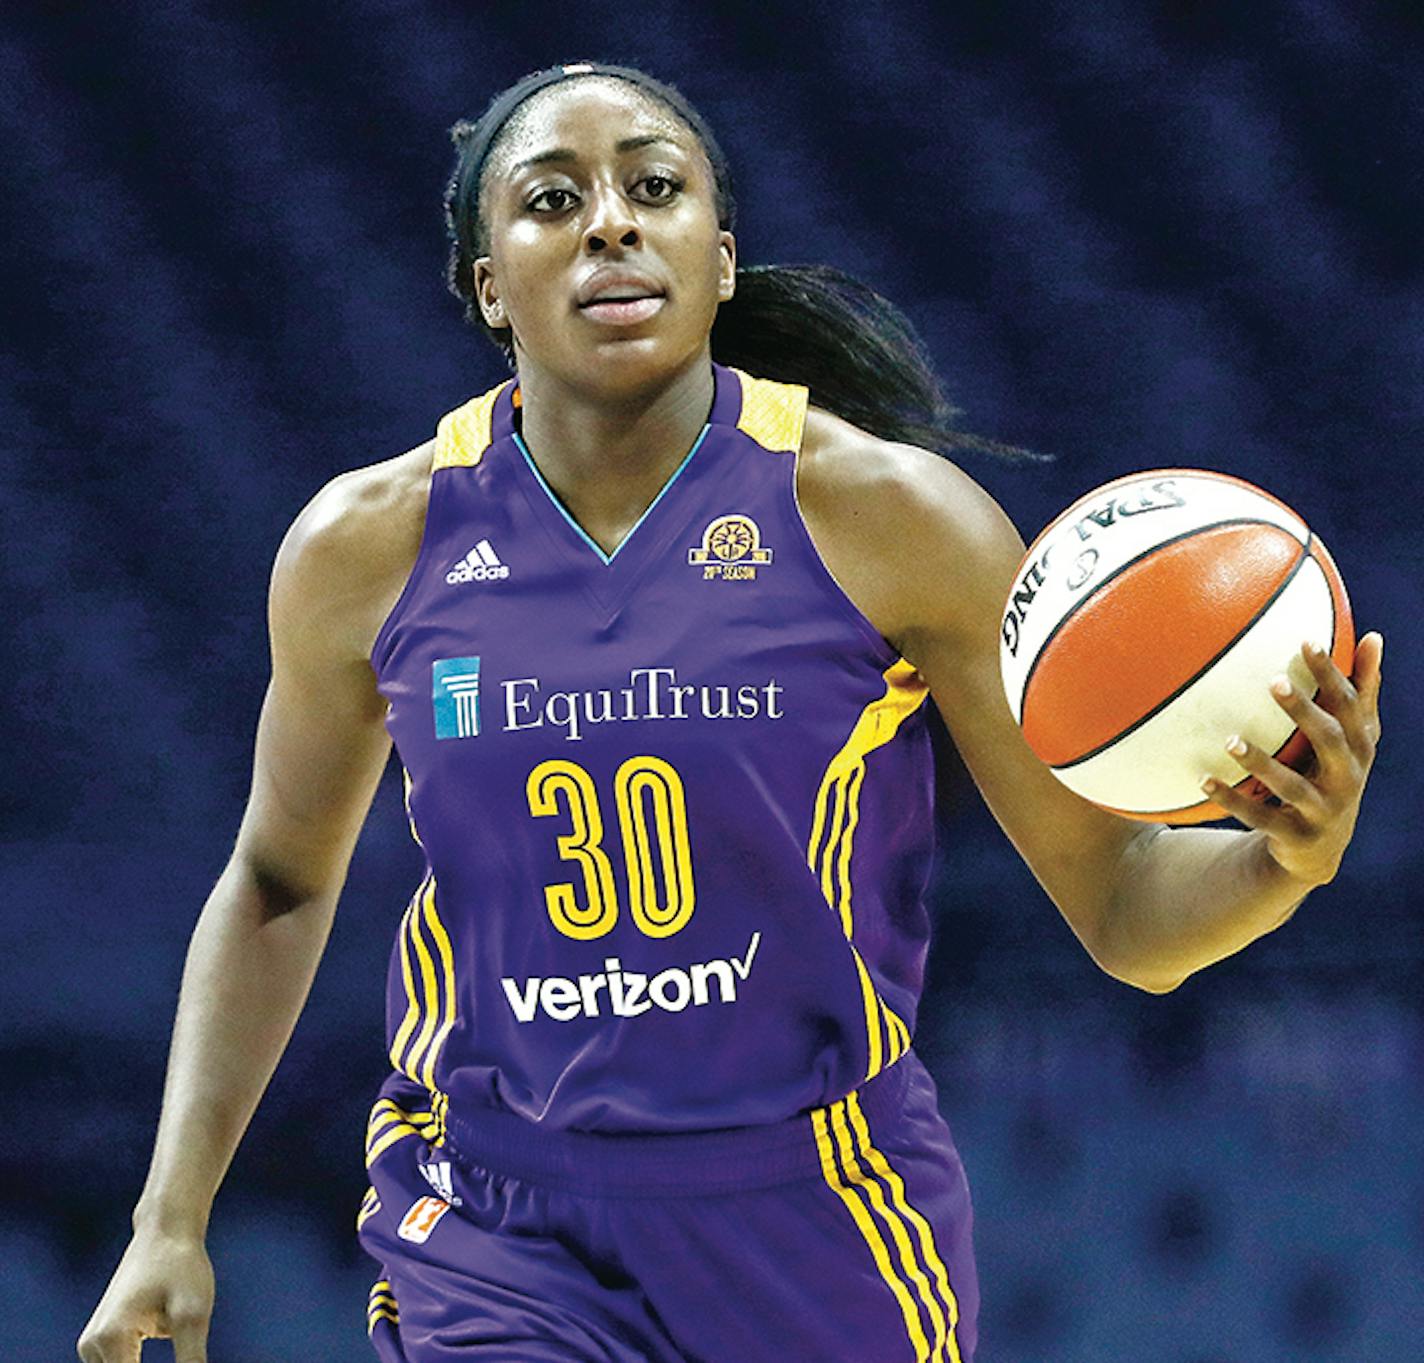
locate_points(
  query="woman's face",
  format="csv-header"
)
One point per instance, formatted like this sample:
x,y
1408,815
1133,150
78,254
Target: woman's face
x,y
597,194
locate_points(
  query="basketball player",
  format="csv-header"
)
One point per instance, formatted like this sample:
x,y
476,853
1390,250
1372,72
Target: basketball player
x,y
653,628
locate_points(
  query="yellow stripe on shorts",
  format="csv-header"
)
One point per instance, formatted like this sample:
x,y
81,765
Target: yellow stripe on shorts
x,y
381,1306
855,1170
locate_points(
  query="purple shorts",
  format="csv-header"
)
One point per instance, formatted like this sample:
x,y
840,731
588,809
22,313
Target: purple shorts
x,y
841,1233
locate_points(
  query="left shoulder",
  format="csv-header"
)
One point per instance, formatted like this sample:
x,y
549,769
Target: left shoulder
x,y
918,545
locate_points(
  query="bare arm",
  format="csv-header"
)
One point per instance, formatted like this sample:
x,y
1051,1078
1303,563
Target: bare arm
x,y
320,750
929,557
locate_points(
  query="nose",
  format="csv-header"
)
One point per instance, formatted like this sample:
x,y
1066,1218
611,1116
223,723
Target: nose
x,y
610,220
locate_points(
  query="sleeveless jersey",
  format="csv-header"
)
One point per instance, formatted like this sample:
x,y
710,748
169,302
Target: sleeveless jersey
x,y
674,800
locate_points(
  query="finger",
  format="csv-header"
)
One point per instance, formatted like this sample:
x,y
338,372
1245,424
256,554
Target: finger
x,y
110,1345
1369,666
1336,690
190,1340
1241,807
1287,785
1325,733
1338,696
188,1327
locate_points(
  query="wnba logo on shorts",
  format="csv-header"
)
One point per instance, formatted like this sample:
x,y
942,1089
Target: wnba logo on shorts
x,y
455,690
418,1223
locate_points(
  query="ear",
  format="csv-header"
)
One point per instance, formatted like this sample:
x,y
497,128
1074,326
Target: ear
x,y
487,294
727,266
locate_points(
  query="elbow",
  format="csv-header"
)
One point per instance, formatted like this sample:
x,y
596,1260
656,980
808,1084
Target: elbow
x,y
272,890
1141,976
1119,946
1148,983
1157,984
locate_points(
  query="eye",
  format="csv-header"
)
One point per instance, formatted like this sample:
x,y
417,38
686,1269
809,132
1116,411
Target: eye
x,y
550,207
544,194
659,187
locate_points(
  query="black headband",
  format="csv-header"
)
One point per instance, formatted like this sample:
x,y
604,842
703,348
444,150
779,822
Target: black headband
x,y
476,139
498,114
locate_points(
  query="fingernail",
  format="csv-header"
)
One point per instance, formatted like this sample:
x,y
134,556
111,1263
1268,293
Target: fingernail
x,y
1236,747
1209,785
1315,650
1281,687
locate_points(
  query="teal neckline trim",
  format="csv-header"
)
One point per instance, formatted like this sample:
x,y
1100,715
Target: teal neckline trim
x,y
606,559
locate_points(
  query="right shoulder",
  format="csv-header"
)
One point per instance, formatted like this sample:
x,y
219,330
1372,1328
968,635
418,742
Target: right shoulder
x,y
345,559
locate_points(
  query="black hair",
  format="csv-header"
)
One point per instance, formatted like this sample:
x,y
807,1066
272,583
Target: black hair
x,y
859,355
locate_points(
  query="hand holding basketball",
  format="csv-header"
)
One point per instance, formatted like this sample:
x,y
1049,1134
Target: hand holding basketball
x,y
1307,833
1144,628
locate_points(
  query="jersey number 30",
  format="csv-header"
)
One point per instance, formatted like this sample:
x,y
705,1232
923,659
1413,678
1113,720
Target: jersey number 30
x,y
652,814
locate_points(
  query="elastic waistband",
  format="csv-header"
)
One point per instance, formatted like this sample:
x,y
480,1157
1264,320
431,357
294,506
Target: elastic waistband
x,y
659,1163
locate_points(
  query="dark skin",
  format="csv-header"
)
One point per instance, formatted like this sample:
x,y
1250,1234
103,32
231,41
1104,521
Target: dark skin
x,y
609,412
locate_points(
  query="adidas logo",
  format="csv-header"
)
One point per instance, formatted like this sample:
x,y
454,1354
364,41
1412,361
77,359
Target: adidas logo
x,y
437,1175
481,564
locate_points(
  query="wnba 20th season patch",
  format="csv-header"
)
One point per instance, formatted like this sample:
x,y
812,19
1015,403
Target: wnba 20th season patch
x,y
731,549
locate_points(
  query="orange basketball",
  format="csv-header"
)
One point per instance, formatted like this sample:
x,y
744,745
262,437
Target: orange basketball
x,y
1145,626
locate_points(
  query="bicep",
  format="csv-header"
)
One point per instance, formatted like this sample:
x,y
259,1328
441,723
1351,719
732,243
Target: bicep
x,y
321,741
316,765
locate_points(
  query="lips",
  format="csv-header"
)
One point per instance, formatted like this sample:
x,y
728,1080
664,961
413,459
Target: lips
x,y
622,311
617,285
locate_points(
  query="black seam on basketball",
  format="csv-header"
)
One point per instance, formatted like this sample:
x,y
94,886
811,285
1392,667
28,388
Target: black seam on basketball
x,y
1280,747
1116,573
1206,667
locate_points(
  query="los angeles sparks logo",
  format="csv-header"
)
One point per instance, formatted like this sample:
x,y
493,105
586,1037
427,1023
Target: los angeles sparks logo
x,y
731,549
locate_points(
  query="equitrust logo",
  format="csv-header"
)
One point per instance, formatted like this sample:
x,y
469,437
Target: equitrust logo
x,y
652,694
455,689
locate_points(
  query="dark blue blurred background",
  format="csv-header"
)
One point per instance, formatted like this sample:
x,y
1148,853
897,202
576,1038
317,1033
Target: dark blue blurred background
x,y
1132,235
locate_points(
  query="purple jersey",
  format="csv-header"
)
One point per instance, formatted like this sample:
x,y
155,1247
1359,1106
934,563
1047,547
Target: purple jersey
x,y
674,800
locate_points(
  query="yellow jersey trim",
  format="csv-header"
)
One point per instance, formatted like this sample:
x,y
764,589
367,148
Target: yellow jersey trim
x,y
412,1012
427,968
832,840
463,435
773,414
427,959
370,1205
390,1123
406,784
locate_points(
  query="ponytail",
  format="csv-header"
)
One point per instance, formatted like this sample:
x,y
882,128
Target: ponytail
x,y
856,351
